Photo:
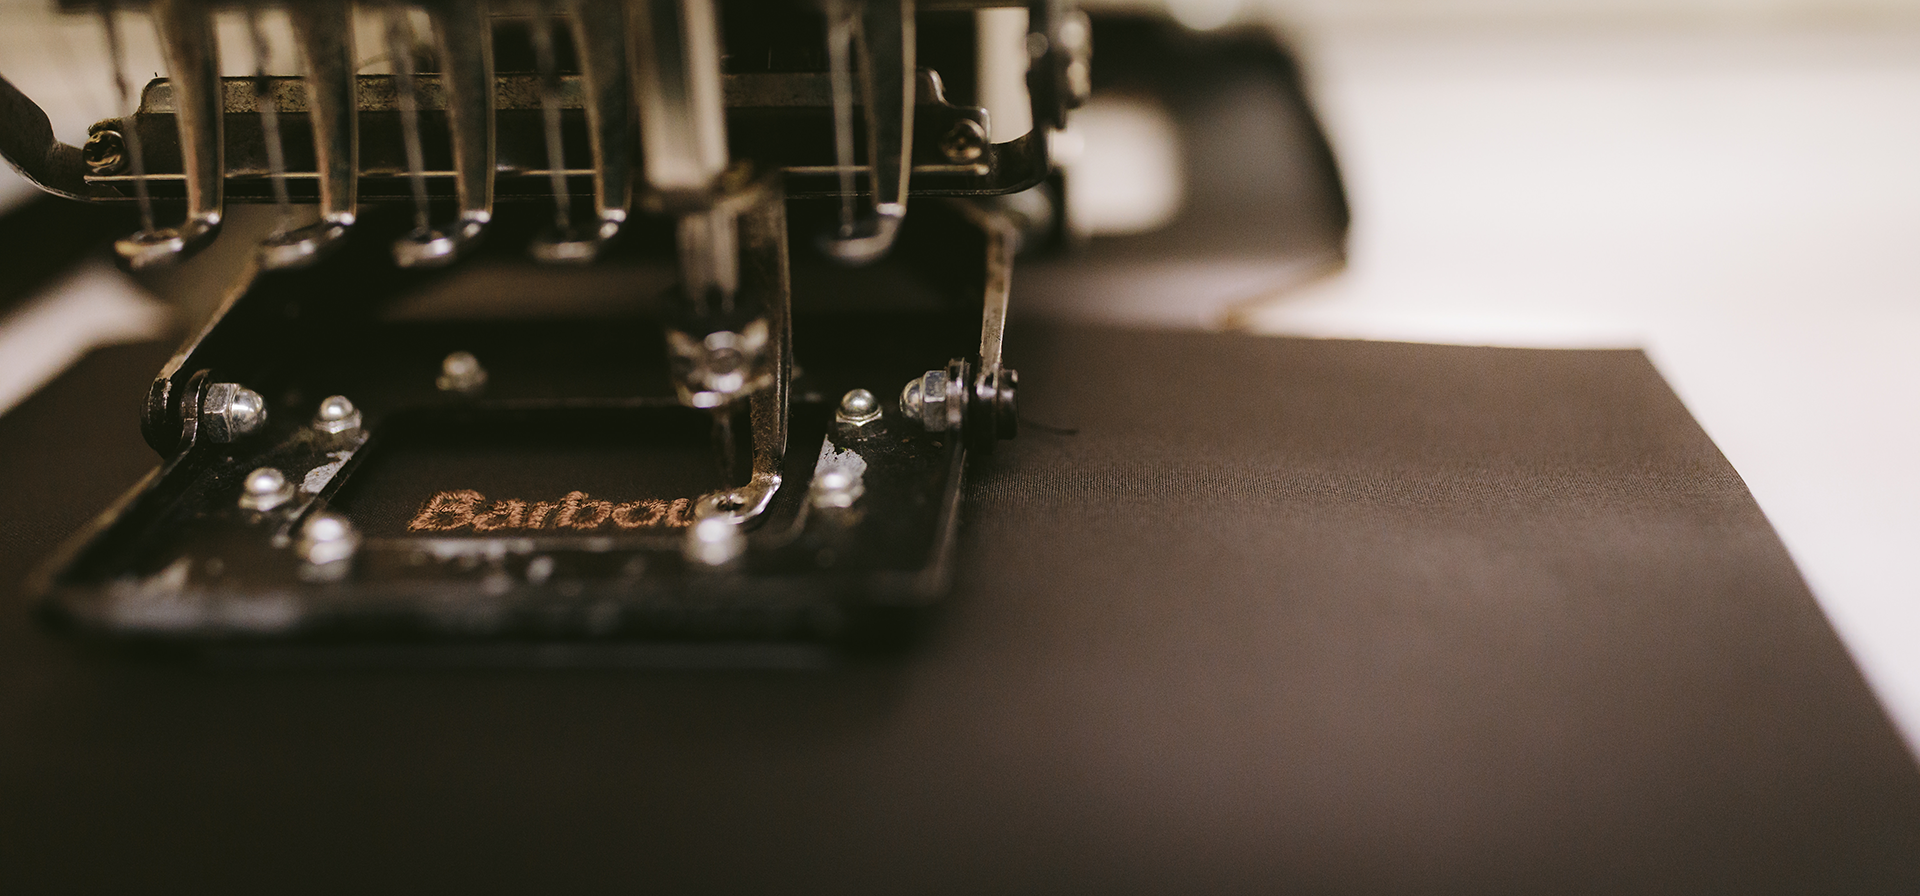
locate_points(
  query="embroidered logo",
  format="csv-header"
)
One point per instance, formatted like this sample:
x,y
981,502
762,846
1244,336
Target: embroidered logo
x,y
468,509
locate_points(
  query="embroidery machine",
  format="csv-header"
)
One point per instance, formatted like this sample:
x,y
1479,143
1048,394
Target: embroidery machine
x,y
589,322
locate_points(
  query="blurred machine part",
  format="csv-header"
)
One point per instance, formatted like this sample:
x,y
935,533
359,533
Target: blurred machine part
x,y
592,321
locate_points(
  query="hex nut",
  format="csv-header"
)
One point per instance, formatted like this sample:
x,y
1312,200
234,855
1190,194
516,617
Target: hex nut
x,y
230,411
924,401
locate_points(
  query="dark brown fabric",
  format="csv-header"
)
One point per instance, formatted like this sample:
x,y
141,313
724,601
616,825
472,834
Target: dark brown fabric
x,y
1280,616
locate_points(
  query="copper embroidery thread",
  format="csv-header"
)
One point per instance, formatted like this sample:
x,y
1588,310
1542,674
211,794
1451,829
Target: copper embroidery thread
x,y
466,508
578,512
446,511
656,511
504,515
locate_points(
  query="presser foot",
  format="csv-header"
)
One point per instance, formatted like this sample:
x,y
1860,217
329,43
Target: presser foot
x,y
370,504
157,248
302,246
434,248
574,245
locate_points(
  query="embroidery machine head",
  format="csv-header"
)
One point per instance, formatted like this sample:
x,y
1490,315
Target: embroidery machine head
x,y
334,469
631,327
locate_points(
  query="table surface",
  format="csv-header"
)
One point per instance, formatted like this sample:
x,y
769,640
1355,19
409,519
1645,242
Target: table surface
x,y
1416,618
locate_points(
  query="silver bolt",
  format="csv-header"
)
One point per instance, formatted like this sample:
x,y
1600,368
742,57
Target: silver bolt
x,y
858,408
714,541
836,488
265,489
461,372
229,411
327,538
540,569
924,401
336,415
966,142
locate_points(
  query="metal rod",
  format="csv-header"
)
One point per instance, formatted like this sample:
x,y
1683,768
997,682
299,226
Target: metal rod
x,y
763,235
676,68
324,31
400,46
542,34
466,74
841,24
888,31
269,119
723,450
767,276
129,132
884,41
600,42
464,40
193,74
1002,237
709,249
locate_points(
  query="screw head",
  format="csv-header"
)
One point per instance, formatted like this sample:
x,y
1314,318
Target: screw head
x,y
247,406
461,372
336,414
336,407
858,407
265,481
327,538
836,488
540,569
326,527
966,142
715,541
105,153
722,366
265,489
229,411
